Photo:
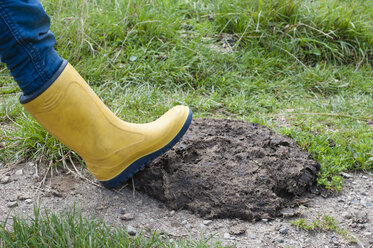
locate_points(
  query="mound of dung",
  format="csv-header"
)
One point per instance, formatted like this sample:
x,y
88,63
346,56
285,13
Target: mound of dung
x,y
230,169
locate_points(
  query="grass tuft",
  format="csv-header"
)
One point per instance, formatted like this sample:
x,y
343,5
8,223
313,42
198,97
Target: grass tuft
x,y
71,229
323,223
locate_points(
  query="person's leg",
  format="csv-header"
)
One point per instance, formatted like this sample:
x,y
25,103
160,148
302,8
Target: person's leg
x,y
63,103
26,46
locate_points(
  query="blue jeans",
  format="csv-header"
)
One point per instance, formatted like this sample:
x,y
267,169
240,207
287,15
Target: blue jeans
x,y
26,46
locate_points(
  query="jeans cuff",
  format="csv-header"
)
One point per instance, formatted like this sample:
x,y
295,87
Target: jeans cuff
x,y
28,98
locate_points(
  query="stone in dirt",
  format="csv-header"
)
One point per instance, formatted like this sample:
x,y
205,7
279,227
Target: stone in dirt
x,y
290,212
12,204
207,222
127,216
283,230
230,169
238,229
55,193
19,172
23,197
131,230
5,179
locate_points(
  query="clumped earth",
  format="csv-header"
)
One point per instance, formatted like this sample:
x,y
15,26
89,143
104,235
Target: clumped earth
x,y
230,169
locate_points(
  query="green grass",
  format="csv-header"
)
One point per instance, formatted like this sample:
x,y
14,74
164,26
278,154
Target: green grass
x,y
71,229
302,68
323,223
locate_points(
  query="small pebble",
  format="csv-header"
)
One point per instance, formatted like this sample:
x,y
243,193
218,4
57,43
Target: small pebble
x,y
361,226
265,220
184,222
283,231
346,215
207,222
346,175
289,212
23,197
12,204
56,193
5,180
281,240
31,164
227,236
172,213
131,230
252,236
238,229
19,172
127,216
352,202
28,201
334,239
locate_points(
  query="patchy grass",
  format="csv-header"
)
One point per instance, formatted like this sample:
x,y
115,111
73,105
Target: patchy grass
x,y
71,229
323,223
302,68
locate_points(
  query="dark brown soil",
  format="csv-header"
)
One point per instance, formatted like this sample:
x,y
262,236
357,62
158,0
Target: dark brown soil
x,y
230,169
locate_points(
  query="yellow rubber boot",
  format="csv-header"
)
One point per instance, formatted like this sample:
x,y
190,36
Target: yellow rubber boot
x,y
112,149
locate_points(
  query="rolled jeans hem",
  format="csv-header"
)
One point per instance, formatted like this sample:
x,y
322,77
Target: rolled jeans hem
x,y
28,98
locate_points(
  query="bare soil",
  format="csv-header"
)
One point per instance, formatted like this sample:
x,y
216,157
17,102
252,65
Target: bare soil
x,y
210,184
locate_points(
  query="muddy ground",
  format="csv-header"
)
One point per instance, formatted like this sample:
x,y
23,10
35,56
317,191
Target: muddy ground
x,y
230,169
235,180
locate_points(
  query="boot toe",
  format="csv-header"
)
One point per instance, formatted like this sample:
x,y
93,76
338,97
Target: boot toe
x,y
166,132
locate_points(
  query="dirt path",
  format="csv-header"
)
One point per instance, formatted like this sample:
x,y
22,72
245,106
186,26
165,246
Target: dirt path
x,y
352,209
25,184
